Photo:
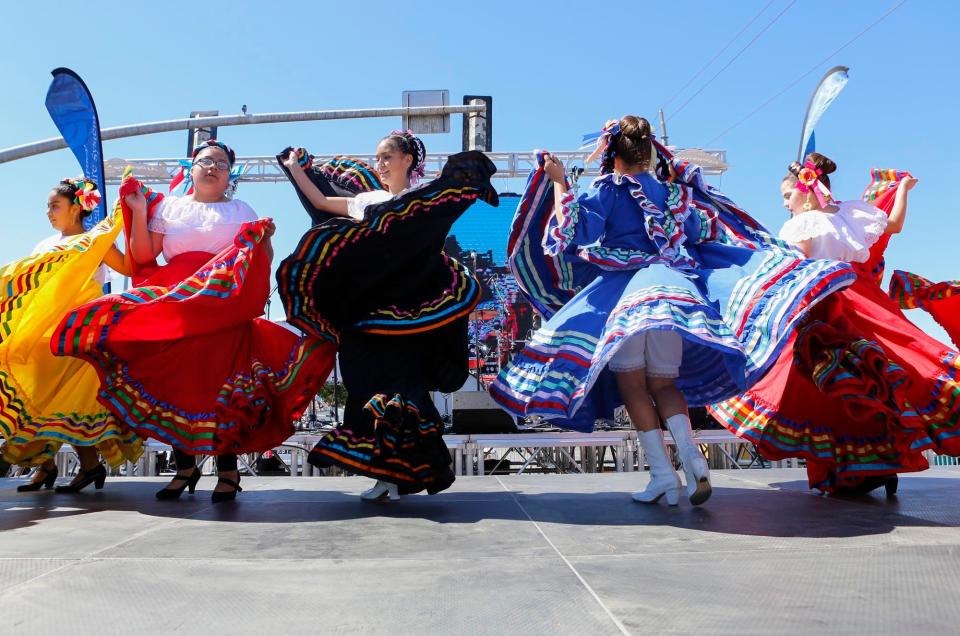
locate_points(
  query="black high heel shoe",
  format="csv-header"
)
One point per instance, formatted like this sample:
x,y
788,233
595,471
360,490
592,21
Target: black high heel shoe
x,y
189,483
888,482
95,476
47,482
226,495
890,485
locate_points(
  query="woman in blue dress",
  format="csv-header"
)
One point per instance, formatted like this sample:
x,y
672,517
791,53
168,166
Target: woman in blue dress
x,y
659,293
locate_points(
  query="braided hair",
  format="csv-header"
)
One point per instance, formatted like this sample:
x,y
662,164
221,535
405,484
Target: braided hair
x,y
409,144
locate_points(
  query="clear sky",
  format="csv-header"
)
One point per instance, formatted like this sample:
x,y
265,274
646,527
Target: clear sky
x,y
555,70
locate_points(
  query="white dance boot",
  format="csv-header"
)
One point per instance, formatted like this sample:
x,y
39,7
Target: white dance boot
x,y
664,480
694,463
381,490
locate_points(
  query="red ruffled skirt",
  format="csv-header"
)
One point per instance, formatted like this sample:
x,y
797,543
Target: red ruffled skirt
x,y
185,359
861,393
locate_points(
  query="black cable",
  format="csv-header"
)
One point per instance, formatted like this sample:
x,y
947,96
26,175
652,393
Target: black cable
x,y
734,58
812,69
719,53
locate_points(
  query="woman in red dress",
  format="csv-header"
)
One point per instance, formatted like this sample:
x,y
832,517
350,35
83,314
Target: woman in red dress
x,y
863,392
184,356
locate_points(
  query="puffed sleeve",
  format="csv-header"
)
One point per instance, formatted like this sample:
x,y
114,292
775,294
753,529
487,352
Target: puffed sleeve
x,y
245,213
158,222
581,221
866,223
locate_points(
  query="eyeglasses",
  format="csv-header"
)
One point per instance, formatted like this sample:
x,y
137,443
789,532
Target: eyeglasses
x,y
206,162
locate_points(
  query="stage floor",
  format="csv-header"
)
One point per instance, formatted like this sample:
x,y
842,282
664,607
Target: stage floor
x,y
534,554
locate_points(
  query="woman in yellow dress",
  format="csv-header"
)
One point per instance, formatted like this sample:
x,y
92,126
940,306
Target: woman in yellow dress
x,y
48,401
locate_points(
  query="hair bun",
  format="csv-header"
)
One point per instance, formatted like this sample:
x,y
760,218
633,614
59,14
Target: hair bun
x,y
631,144
822,162
635,127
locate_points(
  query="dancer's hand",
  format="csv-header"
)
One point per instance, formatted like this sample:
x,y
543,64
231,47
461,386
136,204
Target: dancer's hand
x,y
136,200
554,168
907,183
269,228
292,161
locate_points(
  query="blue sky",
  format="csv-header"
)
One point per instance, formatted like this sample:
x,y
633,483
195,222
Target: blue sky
x,y
555,71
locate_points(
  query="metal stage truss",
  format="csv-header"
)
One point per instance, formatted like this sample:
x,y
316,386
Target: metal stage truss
x,y
510,165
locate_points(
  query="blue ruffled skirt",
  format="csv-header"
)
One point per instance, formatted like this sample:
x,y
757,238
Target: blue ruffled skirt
x,y
735,311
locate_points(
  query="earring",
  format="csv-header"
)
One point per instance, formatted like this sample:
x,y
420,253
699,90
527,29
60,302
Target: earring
x,y
807,207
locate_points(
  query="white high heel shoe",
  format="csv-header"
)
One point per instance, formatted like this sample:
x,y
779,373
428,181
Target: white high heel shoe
x,y
664,480
695,468
381,490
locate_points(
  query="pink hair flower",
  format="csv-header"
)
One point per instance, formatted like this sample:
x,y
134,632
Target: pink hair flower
x,y
808,180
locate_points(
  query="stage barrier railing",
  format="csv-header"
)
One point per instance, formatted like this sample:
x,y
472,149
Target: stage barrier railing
x,y
483,454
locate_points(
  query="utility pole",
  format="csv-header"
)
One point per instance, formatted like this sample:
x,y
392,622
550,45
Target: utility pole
x,y
663,129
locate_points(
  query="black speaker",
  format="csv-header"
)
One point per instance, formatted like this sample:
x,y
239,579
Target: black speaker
x,y
475,421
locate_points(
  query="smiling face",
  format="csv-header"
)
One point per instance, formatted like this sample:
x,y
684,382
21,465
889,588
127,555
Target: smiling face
x,y
210,182
64,215
393,166
793,199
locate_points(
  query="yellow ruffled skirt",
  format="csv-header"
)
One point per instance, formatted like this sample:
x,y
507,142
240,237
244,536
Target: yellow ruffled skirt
x,y
48,401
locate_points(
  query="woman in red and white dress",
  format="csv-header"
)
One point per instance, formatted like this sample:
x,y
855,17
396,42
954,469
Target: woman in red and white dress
x,y
862,392
184,356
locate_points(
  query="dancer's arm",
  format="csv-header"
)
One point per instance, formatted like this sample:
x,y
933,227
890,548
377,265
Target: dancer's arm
x,y
145,245
333,205
576,220
118,261
268,231
554,169
898,215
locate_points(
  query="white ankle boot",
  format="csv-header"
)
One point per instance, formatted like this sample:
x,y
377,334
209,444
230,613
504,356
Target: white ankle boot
x,y
664,480
381,490
694,463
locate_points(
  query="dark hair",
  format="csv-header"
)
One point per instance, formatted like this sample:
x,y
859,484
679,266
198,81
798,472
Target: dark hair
x,y
409,144
68,189
820,162
213,143
633,145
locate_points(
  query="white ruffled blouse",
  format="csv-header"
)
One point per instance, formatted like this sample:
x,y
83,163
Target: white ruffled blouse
x,y
192,226
845,235
359,203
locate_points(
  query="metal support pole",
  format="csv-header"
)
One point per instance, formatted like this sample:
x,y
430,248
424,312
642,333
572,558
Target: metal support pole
x,y
336,392
478,127
149,128
476,332
199,135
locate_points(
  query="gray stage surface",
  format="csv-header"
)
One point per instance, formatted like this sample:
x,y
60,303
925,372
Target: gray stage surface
x,y
568,554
